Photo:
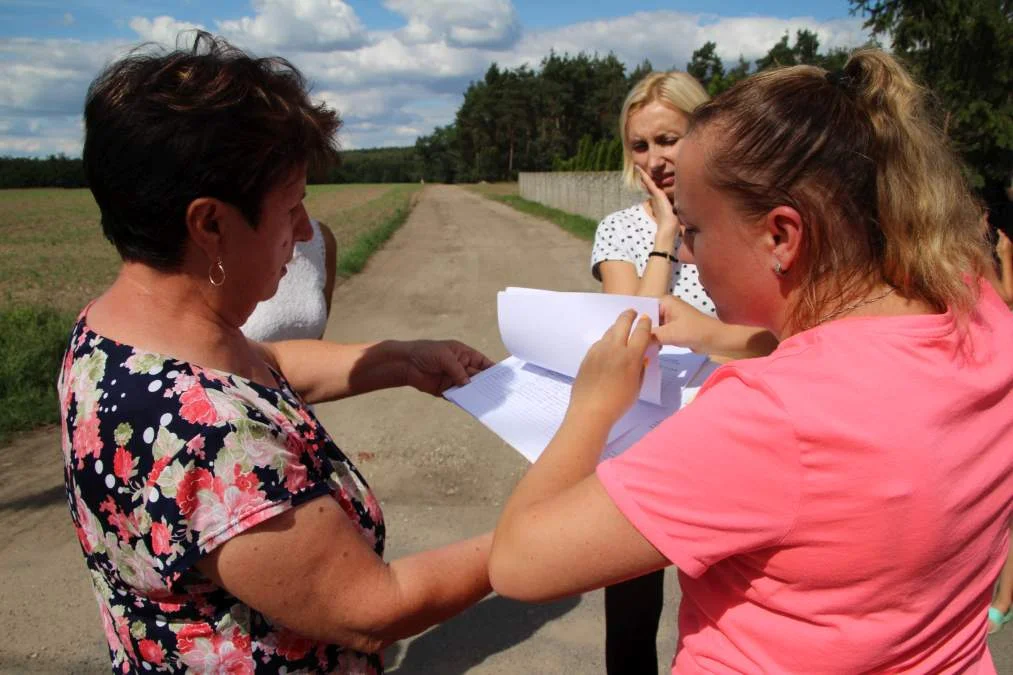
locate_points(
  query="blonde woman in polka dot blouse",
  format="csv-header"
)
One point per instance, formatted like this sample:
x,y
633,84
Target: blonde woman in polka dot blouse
x,y
635,254
635,250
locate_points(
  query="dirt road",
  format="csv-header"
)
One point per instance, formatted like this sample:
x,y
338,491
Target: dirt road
x,y
438,473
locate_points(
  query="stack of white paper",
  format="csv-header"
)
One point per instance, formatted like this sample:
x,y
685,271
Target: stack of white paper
x,y
523,399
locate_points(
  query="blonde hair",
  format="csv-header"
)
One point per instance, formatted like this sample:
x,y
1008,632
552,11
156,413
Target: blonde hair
x,y
675,89
857,154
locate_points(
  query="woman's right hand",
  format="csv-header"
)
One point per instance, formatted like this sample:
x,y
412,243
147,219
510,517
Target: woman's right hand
x,y
664,214
612,371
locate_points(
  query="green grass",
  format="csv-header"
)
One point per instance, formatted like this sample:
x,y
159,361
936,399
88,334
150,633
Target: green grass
x,y
32,341
571,222
352,259
55,260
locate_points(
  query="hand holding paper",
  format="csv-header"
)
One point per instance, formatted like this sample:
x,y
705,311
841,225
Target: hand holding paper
x,y
609,378
524,398
554,330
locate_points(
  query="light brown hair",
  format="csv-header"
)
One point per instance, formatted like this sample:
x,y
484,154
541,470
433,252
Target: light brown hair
x,y
857,154
678,90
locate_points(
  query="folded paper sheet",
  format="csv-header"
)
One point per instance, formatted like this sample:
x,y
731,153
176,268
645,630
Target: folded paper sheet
x,y
554,330
524,398
524,404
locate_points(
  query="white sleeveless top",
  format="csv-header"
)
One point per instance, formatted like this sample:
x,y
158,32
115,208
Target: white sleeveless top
x,y
298,310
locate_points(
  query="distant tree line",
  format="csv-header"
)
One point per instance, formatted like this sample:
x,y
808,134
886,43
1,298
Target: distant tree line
x,y
375,165
532,120
53,171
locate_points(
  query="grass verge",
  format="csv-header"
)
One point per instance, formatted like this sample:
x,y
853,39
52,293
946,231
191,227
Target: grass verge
x,y
571,222
353,258
32,340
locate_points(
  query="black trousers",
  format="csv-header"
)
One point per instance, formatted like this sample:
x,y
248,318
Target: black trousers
x,y
632,613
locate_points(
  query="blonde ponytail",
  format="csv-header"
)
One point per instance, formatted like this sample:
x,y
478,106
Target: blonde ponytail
x,y
930,220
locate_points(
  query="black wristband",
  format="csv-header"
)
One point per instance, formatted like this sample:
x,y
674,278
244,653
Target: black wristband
x,y
662,254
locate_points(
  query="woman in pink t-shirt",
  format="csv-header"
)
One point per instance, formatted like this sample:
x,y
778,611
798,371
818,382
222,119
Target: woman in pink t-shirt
x,y
843,504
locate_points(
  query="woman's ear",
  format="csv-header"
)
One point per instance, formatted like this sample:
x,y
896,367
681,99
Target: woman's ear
x,y
785,231
202,216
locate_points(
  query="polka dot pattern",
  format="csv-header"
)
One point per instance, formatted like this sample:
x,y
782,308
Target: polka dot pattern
x,y
628,235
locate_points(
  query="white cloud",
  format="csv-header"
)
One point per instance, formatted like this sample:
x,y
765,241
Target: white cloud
x,y
41,136
298,25
488,24
48,77
389,86
163,29
390,61
668,39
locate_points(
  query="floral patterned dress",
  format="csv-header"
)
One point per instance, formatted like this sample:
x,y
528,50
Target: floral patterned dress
x,y
165,461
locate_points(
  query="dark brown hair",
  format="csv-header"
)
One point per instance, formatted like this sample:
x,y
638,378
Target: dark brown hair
x,y
164,128
857,154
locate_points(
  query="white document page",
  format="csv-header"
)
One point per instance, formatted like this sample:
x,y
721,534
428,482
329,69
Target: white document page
x,y
618,444
524,404
554,330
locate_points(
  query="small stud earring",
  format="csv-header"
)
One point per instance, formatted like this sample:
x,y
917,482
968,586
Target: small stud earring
x,y
777,267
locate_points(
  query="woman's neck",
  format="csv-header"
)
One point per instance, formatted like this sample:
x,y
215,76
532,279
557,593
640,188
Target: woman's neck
x,y
877,300
171,313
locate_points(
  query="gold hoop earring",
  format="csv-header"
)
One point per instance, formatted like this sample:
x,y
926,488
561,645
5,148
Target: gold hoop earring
x,y
220,268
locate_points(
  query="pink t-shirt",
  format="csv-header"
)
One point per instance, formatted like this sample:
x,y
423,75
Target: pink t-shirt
x,y
840,506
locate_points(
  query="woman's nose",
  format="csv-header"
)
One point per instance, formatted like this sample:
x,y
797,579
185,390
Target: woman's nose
x,y
655,159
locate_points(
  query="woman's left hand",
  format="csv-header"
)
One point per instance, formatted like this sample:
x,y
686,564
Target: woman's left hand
x,y
433,366
1003,245
612,371
684,325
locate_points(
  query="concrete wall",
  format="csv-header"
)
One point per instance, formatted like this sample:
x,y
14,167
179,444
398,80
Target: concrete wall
x,y
593,194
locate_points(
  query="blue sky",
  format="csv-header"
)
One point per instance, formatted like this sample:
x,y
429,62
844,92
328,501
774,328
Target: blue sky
x,y
394,68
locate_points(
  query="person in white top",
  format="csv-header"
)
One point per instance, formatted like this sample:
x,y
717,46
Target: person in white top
x,y
299,310
634,254
634,249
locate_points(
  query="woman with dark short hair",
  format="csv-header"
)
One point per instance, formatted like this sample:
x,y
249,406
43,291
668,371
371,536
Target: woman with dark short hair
x,y
223,528
843,504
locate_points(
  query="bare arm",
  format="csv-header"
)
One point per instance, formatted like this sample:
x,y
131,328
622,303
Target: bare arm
x,y
560,512
620,277
686,326
324,371
310,570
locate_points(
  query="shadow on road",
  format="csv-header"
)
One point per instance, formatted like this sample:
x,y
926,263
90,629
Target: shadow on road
x,y
494,625
37,500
